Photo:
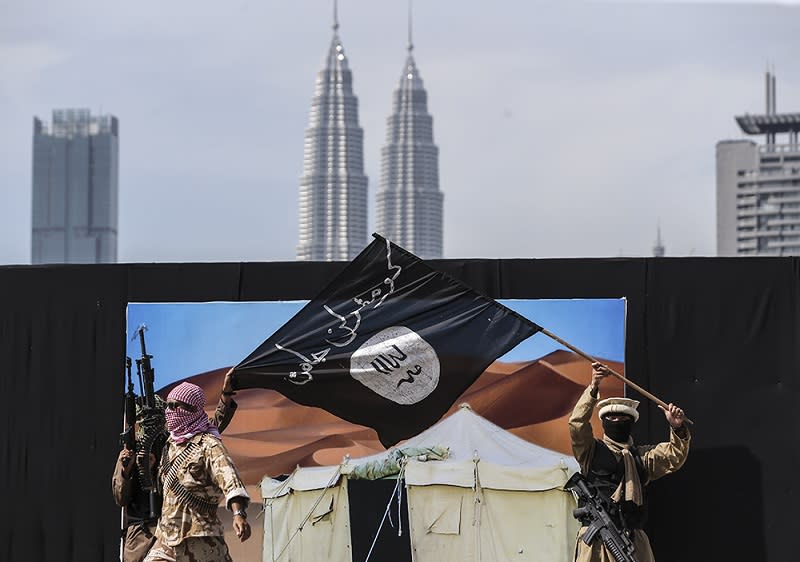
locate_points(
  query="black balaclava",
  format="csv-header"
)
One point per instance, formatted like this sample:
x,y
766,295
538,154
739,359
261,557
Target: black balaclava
x,y
619,431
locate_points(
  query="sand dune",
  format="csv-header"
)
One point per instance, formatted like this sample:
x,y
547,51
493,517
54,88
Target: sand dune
x,y
270,434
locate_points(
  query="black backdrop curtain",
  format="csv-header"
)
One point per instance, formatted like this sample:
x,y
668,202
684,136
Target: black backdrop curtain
x,y
718,335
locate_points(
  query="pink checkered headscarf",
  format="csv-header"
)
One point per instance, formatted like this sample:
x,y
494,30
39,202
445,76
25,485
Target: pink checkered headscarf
x,y
182,424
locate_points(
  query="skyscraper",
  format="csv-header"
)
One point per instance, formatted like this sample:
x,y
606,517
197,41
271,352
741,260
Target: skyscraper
x,y
409,204
333,188
758,186
75,187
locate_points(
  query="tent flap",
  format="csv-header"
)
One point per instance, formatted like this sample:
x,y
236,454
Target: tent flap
x,y
454,473
492,524
308,525
531,479
491,476
312,478
441,511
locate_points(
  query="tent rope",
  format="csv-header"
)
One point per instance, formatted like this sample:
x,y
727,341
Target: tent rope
x,y
399,513
395,492
330,483
477,499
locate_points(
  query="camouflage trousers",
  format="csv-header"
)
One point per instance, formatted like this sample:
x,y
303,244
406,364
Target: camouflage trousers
x,y
192,549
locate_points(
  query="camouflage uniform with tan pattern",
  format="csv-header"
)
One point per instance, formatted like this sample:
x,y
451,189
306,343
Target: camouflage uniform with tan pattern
x,y
207,473
192,549
139,538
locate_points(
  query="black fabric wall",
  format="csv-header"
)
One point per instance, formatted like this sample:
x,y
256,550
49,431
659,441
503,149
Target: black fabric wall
x,y
719,336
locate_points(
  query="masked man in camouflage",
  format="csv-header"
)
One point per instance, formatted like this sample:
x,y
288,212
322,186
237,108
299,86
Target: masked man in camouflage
x,y
196,473
126,486
617,468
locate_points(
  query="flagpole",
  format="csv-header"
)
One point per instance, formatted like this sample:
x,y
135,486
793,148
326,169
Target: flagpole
x,y
611,371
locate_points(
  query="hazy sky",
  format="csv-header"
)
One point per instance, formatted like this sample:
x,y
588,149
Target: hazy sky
x,y
565,129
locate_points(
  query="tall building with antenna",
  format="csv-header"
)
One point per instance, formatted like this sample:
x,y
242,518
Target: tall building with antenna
x,y
333,187
758,185
658,247
409,203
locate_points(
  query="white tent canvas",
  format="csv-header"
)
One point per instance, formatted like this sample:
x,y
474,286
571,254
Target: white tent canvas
x,y
496,497
306,517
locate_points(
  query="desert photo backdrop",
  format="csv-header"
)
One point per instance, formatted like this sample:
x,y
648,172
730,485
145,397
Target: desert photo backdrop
x,y
270,435
530,391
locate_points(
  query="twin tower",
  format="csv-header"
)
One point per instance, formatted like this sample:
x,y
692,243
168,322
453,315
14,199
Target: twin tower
x,y
333,187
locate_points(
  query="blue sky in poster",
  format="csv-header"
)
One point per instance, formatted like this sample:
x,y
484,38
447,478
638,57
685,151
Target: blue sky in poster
x,y
186,339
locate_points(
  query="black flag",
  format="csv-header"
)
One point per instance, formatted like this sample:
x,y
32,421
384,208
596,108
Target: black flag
x,y
390,344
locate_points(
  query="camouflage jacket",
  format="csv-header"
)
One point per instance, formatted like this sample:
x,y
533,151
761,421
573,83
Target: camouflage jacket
x,y
207,473
127,489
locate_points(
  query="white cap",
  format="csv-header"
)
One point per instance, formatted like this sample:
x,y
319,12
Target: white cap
x,y
619,406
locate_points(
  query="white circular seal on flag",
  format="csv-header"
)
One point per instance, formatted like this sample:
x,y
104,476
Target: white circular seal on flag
x,y
397,364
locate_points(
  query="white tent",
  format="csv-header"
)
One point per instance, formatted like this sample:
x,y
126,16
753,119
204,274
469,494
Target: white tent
x,y
495,498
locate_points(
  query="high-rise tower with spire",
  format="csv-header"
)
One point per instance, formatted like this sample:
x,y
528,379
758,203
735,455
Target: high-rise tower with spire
x,y
758,185
658,247
333,188
409,203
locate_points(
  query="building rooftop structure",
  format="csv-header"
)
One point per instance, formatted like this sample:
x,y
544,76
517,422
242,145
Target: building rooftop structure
x,y
769,124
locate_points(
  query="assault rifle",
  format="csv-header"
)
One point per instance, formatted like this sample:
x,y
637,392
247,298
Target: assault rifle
x,y
153,431
146,372
593,509
128,436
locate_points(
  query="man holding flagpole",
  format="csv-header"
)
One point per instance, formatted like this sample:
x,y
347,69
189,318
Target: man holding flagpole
x,y
618,469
